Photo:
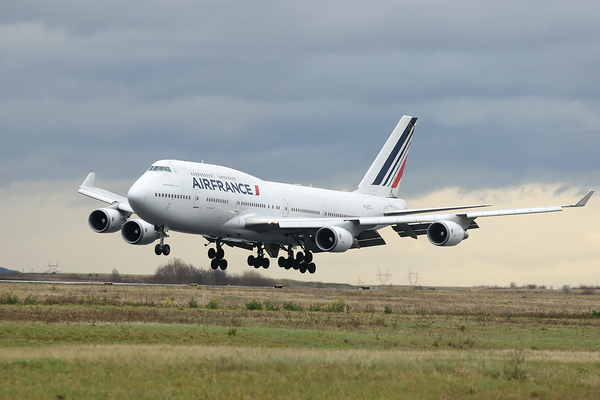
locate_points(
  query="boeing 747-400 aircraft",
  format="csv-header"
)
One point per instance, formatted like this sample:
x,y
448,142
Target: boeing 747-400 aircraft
x,y
232,208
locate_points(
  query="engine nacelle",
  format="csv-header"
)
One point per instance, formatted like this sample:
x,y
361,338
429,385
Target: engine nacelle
x,y
137,231
446,233
106,220
334,238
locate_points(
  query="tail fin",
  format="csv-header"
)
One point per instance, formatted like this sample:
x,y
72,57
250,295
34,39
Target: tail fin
x,y
383,178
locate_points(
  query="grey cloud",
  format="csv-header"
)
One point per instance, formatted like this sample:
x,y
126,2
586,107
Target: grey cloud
x,y
505,92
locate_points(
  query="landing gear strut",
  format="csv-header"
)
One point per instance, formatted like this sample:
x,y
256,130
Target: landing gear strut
x,y
302,262
260,260
217,257
162,248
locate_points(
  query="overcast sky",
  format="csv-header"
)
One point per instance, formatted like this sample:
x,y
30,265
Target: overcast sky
x,y
305,92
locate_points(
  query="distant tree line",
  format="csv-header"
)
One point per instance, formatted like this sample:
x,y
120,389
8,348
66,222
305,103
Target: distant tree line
x,y
176,271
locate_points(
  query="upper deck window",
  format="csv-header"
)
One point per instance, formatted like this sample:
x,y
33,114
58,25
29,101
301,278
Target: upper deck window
x,y
157,168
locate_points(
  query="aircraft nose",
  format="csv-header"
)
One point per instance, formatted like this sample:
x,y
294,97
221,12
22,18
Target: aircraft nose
x,y
136,196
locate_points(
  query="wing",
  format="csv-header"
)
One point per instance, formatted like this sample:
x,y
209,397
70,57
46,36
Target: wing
x,y
391,220
406,225
87,188
260,224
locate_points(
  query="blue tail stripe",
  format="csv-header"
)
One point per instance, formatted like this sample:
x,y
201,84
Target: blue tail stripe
x,y
394,170
394,153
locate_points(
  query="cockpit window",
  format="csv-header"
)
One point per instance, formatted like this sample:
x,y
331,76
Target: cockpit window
x,y
157,168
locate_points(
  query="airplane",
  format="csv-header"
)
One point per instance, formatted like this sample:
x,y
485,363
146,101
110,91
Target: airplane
x,y
232,208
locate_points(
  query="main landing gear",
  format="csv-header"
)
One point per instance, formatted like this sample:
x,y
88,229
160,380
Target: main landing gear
x,y
216,256
302,262
260,260
162,248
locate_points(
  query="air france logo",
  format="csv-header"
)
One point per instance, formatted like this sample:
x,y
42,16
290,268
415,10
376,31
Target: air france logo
x,y
216,184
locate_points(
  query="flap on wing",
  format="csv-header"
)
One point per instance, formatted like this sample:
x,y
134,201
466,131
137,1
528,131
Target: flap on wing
x,y
410,230
370,238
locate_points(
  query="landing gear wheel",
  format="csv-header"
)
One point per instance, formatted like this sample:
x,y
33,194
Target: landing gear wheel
x,y
299,256
166,250
266,263
311,267
223,264
212,253
157,250
308,257
251,259
303,268
214,264
281,262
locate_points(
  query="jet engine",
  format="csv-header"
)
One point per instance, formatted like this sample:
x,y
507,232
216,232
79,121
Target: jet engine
x,y
137,231
106,220
333,238
446,233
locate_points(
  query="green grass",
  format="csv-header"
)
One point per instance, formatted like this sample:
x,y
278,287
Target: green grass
x,y
308,330
158,372
181,342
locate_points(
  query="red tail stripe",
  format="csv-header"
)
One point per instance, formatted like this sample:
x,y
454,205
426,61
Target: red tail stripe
x,y
397,181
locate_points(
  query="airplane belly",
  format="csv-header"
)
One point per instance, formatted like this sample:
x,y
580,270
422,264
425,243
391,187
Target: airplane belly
x,y
202,220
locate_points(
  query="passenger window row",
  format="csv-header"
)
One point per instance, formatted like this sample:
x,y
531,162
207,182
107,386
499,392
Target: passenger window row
x,y
173,196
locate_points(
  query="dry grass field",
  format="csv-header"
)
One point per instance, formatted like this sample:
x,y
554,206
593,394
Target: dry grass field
x,y
100,341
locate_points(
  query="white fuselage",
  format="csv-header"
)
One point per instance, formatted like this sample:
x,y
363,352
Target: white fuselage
x,y
215,201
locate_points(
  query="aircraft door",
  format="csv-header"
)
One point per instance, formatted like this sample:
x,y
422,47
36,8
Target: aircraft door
x,y
196,198
285,207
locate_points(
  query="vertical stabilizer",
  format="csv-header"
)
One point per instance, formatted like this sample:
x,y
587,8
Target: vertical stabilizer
x,y
383,178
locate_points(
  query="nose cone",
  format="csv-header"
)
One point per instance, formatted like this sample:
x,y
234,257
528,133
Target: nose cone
x,y
136,196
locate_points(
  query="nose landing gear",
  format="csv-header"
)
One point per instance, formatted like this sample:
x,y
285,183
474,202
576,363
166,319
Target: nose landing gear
x,y
162,248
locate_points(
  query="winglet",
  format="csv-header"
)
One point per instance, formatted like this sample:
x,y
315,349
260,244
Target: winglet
x,y
583,200
89,181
